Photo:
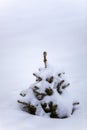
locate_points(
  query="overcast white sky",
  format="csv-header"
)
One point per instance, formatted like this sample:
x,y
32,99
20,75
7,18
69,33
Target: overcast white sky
x,y
56,25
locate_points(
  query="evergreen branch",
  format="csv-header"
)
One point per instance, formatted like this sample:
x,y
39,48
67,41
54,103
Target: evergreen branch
x,y
59,85
24,103
64,86
38,78
76,103
50,80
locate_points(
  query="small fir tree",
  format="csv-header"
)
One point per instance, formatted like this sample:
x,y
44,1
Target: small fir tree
x,y
48,95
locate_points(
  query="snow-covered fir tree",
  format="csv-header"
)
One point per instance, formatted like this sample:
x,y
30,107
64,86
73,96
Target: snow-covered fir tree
x,y
48,96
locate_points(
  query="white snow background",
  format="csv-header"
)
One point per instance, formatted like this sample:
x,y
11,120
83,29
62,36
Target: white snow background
x,y
27,28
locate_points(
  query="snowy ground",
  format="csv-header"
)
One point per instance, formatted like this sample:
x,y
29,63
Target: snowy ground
x,y
27,28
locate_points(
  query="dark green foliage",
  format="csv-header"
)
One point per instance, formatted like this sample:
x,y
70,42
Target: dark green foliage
x,y
64,86
50,109
74,106
28,107
59,74
44,106
38,95
76,103
23,94
53,110
32,109
36,88
59,85
23,103
38,78
50,80
49,91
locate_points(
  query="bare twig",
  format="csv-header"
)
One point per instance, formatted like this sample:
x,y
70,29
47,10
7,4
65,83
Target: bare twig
x,y
45,60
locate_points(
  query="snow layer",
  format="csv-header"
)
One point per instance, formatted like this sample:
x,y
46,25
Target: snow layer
x,y
27,28
63,101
